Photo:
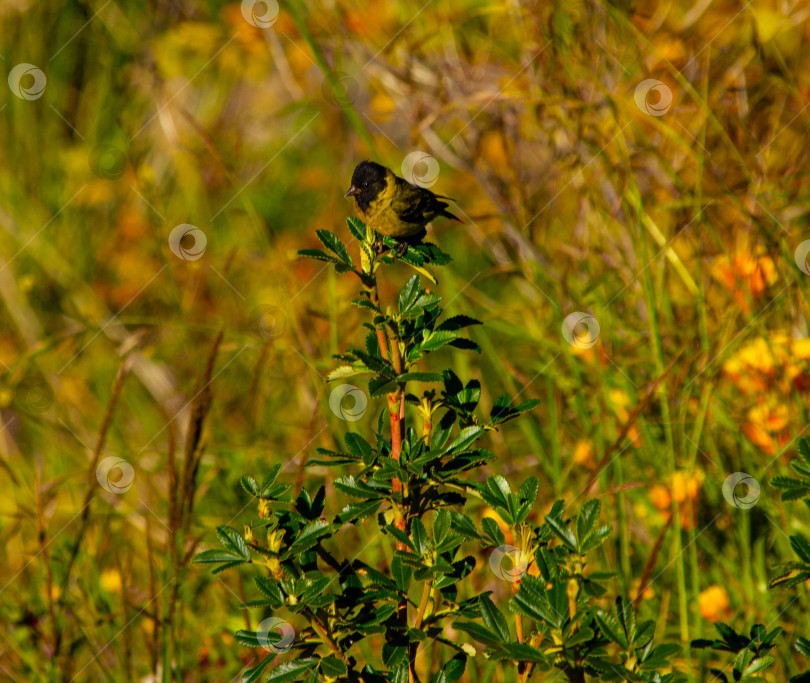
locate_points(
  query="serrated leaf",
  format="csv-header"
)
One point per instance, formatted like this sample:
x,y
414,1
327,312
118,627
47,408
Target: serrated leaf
x,y
252,675
333,244
452,670
332,667
309,537
493,619
233,542
563,532
357,228
611,628
587,518
292,671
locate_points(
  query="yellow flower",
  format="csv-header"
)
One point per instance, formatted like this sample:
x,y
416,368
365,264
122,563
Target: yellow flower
x,y
111,580
583,453
713,603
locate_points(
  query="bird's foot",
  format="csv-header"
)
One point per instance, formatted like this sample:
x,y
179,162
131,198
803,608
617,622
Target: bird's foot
x,y
378,245
402,249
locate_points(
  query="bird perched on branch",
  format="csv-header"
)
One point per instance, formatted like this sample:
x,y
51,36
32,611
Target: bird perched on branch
x,y
392,206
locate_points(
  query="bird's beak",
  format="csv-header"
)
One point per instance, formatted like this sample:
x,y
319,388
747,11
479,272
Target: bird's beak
x,y
352,191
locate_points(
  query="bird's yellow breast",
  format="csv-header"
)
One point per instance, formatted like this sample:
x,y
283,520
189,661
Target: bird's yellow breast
x,y
383,217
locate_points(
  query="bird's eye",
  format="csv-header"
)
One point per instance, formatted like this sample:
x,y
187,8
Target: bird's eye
x,y
365,183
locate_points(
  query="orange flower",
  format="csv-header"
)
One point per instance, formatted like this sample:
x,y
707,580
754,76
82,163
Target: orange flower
x,y
745,275
684,489
766,426
713,603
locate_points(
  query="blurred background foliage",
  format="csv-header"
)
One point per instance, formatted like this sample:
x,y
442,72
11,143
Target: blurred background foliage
x,y
676,232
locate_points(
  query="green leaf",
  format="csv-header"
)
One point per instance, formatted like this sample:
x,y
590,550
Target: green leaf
x,y
346,371
587,518
493,619
561,531
436,340
458,322
356,488
611,628
309,537
333,244
493,531
401,573
545,605
233,542
357,511
332,667
800,547
215,556
292,671
317,254
419,536
441,525
465,437
408,294
477,631
419,377
252,675
270,590
452,670
464,525
519,652
357,228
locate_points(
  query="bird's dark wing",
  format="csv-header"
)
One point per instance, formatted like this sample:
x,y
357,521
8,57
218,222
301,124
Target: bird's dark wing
x,y
417,205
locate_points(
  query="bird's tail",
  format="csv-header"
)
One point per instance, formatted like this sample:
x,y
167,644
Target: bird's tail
x,y
443,209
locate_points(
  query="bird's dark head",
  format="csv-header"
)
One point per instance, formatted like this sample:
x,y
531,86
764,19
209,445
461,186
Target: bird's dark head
x,y
368,180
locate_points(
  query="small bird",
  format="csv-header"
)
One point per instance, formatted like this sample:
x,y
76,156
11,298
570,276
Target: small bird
x,y
392,206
